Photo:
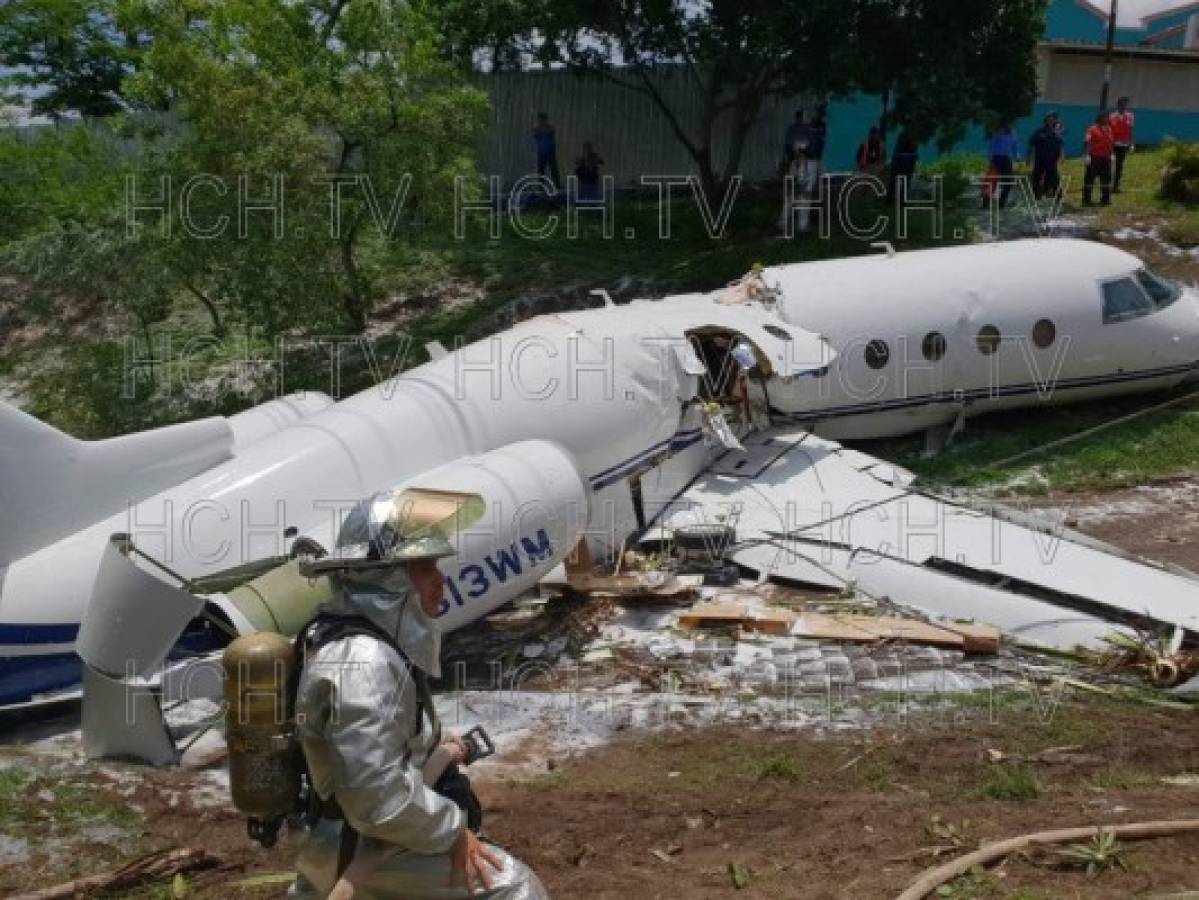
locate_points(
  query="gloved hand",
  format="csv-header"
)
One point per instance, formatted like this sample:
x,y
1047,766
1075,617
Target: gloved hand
x,y
471,860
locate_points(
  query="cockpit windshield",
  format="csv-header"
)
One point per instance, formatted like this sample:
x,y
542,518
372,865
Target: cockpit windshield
x,y
1161,291
1140,294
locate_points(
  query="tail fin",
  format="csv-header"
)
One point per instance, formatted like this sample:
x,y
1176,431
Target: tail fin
x,y
52,484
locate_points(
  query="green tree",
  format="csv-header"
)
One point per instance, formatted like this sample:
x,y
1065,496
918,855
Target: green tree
x,y
67,56
736,53
348,105
948,64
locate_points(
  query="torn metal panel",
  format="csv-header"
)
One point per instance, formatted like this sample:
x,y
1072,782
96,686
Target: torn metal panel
x,y
134,618
124,719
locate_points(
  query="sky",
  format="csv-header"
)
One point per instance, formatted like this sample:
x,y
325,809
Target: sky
x,y
1130,12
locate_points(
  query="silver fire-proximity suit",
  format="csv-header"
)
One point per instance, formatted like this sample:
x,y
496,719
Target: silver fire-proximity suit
x,y
358,720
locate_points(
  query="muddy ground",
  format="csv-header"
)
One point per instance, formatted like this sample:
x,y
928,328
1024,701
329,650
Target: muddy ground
x,y
852,816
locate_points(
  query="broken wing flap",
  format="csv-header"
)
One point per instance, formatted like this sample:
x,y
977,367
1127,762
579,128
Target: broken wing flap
x,y
1139,622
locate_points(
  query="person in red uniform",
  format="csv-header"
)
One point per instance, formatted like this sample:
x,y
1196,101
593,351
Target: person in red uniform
x,y
1122,121
1100,147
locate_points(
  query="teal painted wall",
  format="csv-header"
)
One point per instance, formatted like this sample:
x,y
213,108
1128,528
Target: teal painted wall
x,y
850,119
1069,20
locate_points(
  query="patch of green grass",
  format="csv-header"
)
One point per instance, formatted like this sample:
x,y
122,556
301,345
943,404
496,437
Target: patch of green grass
x,y
14,785
30,801
976,884
1120,779
1009,783
1139,197
876,773
779,764
1158,445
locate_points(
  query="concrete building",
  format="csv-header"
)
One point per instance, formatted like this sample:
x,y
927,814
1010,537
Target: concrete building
x,y
1156,64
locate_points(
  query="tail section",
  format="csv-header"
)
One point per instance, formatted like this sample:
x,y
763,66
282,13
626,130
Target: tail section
x,y
52,484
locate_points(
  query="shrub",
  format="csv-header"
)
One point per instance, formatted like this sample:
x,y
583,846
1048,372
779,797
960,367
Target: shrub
x,y
957,171
1180,177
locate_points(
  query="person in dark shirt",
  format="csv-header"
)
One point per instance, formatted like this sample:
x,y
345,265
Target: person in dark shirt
x,y
797,134
903,163
1045,148
587,170
547,149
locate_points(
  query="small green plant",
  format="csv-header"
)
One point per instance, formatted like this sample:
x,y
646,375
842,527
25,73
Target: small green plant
x,y
950,833
973,885
780,765
1101,854
1013,783
1119,779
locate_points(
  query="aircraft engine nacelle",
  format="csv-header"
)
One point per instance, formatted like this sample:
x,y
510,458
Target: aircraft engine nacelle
x,y
538,506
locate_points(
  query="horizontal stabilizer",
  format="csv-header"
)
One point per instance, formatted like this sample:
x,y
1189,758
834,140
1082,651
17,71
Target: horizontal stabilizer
x,y
52,485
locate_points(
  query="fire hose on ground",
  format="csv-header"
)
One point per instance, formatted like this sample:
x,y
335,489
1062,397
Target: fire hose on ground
x,y
934,878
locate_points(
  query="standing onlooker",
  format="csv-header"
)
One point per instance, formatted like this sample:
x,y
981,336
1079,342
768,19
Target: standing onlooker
x,y
872,153
1122,121
587,170
903,163
797,133
1100,146
812,150
1003,149
547,149
1045,148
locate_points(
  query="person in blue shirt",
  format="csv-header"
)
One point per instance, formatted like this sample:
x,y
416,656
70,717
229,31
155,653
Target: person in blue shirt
x,y
1046,148
1003,149
547,149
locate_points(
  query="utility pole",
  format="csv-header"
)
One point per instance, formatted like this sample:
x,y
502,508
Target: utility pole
x,y
1107,58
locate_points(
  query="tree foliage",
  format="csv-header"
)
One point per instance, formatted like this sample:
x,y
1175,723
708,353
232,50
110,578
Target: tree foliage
x,y
299,135
68,56
949,64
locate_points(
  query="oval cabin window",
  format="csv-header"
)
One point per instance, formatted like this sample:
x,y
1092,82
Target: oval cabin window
x,y
933,347
988,340
1044,333
877,354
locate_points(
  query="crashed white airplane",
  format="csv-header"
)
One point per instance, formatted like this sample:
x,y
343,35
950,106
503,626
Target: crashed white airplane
x,y
602,425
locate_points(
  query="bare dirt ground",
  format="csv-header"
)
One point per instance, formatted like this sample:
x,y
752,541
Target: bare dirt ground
x,y
1158,521
807,826
853,816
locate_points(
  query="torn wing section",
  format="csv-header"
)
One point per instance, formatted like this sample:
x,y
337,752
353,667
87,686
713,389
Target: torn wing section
x,y
813,512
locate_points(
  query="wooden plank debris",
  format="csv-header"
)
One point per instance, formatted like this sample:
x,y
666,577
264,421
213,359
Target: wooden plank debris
x,y
767,620
646,584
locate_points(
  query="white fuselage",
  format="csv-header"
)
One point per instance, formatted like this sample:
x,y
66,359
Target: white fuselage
x,y
955,293
609,387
